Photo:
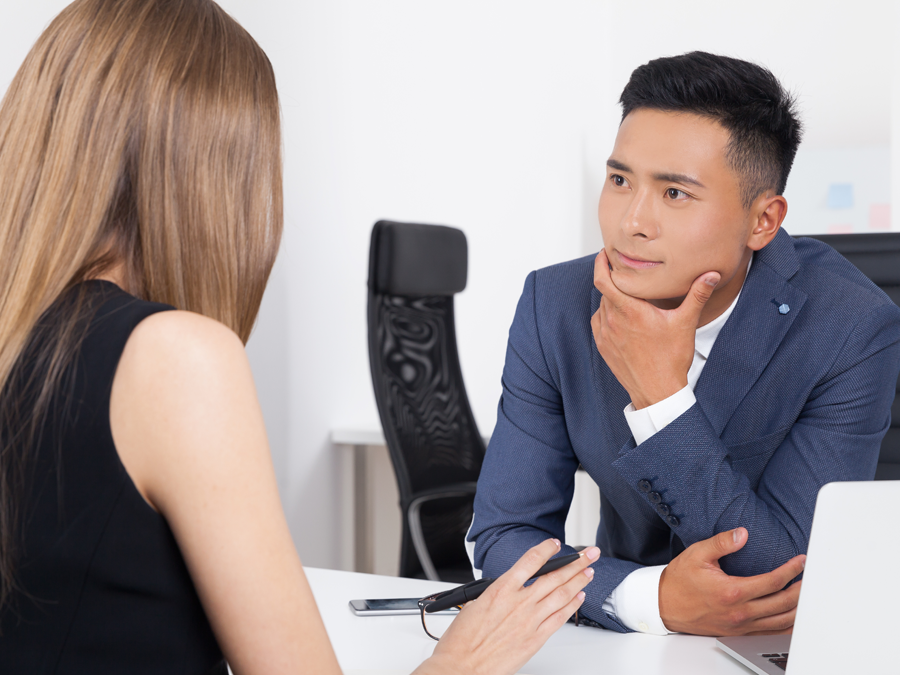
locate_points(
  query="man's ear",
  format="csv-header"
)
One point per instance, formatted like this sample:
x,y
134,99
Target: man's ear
x,y
768,212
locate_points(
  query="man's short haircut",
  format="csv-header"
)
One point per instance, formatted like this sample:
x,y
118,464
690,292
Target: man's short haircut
x,y
746,99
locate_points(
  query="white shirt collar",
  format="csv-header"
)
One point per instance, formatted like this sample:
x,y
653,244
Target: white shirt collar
x,y
706,335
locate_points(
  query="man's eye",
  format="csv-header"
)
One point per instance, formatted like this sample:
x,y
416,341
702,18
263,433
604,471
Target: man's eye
x,y
673,193
618,181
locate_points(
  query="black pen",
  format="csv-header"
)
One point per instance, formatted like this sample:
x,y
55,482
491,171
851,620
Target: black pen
x,y
468,592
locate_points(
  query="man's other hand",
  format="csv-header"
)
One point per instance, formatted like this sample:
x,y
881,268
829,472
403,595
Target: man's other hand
x,y
696,596
648,349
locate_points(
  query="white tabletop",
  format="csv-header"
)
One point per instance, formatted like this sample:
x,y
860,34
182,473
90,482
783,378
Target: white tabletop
x,y
395,645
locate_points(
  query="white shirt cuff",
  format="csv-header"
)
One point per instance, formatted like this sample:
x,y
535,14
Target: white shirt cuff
x,y
648,421
635,602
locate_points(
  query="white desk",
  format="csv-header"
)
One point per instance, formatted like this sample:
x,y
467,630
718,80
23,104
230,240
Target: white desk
x,y
396,644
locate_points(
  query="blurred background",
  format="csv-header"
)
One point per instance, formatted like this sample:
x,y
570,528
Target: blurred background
x,y
496,117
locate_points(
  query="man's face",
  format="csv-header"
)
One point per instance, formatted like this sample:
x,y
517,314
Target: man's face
x,y
671,207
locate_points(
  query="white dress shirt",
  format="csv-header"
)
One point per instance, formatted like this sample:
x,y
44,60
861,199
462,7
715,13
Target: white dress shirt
x,y
635,602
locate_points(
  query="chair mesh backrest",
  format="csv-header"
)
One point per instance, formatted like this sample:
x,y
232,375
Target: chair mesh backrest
x,y
431,434
878,257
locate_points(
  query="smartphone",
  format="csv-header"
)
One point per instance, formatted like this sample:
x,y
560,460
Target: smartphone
x,y
389,607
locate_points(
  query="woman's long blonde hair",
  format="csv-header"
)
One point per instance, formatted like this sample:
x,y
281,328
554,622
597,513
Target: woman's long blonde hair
x,y
143,134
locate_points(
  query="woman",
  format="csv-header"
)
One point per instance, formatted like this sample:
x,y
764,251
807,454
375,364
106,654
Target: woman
x,y
140,214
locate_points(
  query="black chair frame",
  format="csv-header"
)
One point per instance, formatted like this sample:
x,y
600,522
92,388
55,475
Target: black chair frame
x,y
431,435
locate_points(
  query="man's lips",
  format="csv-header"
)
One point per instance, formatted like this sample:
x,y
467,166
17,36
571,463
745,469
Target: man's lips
x,y
636,263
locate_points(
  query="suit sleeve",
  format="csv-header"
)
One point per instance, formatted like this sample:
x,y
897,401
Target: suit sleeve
x,y
837,437
528,477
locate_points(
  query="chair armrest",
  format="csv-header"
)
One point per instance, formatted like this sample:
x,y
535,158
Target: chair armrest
x,y
413,514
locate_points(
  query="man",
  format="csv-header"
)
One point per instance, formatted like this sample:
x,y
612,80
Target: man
x,y
707,370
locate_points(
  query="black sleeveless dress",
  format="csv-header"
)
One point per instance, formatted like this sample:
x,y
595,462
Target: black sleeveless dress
x,y
105,588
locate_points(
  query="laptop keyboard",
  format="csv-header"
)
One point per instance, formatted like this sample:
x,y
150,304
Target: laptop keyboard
x,y
779,660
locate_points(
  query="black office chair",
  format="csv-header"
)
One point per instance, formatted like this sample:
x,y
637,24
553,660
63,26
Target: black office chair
x,y
437,452
877,256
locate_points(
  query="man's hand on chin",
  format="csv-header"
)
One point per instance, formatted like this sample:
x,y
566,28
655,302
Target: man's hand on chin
x,y
696,596
648,349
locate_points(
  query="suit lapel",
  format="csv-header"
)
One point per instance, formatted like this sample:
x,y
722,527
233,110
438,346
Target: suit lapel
x,y
752,333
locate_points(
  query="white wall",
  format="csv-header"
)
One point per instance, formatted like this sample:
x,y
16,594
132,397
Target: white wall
x,y
495,116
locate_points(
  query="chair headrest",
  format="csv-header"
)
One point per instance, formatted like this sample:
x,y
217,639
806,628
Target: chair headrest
x,y
415,260
874,254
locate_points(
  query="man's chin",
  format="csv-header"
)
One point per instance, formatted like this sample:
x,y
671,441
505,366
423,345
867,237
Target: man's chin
x,y
660,296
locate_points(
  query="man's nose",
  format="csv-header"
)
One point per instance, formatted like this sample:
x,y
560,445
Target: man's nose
x,y
640,220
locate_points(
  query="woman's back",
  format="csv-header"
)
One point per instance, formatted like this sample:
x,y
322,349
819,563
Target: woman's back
x,y
104,588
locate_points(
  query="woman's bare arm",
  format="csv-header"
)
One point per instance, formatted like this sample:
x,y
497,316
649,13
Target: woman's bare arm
x,y
189,430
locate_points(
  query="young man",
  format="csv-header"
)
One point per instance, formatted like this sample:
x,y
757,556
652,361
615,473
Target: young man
x,y
707,370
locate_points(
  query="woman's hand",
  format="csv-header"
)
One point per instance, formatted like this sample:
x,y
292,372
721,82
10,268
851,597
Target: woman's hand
x,y
506,626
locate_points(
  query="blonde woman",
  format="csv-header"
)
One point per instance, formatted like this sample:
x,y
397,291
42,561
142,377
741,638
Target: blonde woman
x,y
140,214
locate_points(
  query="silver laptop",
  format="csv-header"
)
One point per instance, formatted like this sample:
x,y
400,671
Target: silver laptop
x,y
847,616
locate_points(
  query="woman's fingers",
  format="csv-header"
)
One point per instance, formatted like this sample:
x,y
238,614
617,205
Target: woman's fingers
x,y
555,621
501,630
528,564
563,594
550,593
548,583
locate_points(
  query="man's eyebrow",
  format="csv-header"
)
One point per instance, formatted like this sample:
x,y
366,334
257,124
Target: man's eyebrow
x,y
682,178
663,177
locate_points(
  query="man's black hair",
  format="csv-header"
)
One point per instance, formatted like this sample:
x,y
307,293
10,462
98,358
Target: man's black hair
x,y
746,99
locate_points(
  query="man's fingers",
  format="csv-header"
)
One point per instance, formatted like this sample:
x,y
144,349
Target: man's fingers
x,y
710,550
786,631
772,582
774,613
603,280
701,291
777,603
774,624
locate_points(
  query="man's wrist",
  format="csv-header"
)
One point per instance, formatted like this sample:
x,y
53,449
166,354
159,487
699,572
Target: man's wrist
x,y
665,616
635,601
662,606
649,421
642,399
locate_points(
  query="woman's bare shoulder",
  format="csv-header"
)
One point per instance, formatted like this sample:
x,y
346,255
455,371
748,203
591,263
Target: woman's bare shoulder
x,y
182,383
177,335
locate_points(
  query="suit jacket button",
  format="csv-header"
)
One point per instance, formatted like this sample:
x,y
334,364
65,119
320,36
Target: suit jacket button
x,y
673,521
663,510
655,498
644,486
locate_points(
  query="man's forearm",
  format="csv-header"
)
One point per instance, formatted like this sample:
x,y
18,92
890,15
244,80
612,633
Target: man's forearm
x,y
687,468
685,474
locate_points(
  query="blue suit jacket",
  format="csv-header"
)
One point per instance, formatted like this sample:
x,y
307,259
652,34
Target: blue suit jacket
x,y
786,403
